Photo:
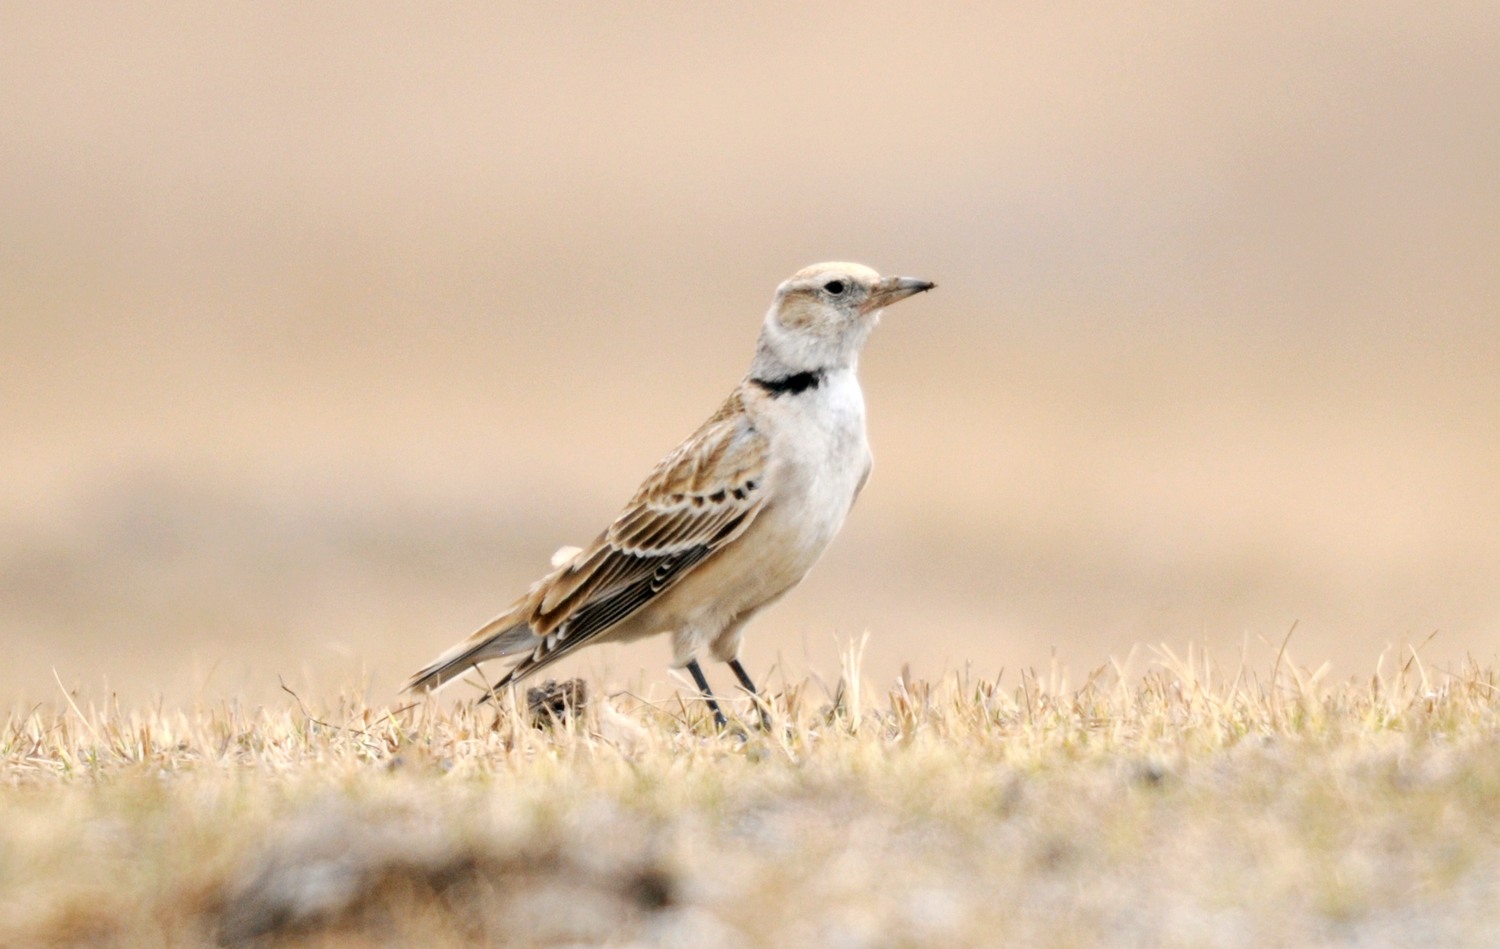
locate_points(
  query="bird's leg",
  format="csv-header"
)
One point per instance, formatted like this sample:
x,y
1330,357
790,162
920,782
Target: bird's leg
x,y
708,694
749,684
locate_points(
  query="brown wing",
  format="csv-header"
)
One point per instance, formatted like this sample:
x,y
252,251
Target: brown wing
x,y
701,497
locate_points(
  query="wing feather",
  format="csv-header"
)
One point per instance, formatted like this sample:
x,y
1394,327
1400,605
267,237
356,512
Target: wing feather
x,y
701,497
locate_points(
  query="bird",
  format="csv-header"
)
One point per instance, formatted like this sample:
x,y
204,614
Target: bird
x,y
731,519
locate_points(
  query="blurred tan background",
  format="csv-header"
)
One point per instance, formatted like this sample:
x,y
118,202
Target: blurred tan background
x,y
323,326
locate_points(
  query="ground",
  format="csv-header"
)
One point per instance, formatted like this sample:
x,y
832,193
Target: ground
x,y
1175,805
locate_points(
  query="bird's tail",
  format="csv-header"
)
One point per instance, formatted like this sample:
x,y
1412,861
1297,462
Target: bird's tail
x,y
505,635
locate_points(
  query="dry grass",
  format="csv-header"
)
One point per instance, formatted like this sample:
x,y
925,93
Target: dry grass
x,y
1179,805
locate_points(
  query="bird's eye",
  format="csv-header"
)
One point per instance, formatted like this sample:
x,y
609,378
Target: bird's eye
x,y
834,287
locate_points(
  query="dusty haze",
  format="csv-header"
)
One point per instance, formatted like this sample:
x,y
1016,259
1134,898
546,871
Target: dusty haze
x,y
324,326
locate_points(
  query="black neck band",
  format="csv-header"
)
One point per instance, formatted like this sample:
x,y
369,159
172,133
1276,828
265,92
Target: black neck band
x,y
796,383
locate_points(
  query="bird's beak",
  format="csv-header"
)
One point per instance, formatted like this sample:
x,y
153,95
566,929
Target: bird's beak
x,y
891,289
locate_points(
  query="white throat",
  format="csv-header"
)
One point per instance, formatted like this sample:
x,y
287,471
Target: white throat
x,y
781,351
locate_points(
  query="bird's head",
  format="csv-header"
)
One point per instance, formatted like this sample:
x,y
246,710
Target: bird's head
x,y
823,314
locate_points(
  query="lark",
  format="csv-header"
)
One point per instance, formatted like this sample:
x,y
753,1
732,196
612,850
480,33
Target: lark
x,y
732,518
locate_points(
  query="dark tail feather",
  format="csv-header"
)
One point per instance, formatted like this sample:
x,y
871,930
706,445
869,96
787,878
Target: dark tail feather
x,y
502,637
533,663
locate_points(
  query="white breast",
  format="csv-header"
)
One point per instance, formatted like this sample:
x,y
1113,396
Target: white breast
x,y
821,457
